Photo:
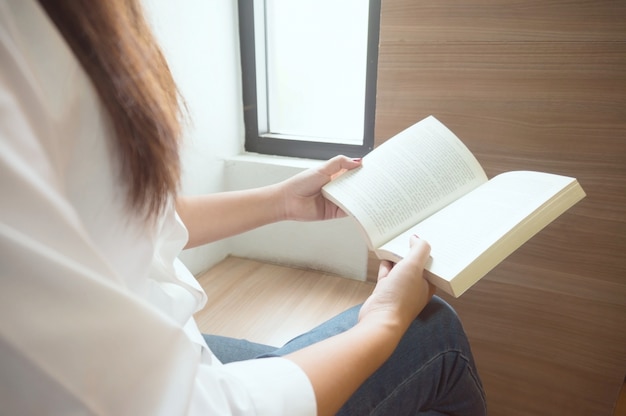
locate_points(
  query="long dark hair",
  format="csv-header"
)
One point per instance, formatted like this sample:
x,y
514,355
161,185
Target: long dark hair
x,y
115,46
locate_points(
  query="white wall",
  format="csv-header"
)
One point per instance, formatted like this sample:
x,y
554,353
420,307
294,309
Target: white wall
x,y
200,40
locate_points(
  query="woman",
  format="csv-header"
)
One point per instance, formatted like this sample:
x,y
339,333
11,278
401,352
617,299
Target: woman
x,y
96,312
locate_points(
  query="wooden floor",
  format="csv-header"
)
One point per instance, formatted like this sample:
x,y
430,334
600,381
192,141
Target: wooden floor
x,y
271,304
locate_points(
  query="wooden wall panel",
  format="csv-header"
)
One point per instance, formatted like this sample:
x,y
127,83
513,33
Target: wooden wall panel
x,y
530,85
504,20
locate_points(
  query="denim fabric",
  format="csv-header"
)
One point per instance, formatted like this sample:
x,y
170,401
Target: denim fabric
x,y
228,350
432,371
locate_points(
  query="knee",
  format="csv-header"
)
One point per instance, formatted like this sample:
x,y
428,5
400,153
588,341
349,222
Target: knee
x,y
439,310
442,320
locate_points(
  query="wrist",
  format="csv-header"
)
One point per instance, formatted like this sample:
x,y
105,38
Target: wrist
x,y
387,332
389,316
278,200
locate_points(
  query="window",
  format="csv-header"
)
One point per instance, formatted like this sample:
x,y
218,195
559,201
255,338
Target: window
x,y
309,76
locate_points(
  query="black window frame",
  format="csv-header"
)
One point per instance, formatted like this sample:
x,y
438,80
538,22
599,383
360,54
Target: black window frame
x,y
260,142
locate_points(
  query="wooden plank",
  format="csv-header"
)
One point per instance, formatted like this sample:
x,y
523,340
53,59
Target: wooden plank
x,y
505,20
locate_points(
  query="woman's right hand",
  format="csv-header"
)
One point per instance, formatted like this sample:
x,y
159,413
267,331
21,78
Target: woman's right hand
x,y
338,365
401,291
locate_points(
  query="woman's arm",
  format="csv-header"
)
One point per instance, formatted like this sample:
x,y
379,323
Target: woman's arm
x,y
338,365
212,217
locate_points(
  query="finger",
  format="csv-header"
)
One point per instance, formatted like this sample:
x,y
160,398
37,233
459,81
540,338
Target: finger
x,y
431,290
384,268
420,250
338,164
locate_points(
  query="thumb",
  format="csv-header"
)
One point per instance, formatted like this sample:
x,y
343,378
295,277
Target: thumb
x,y
420,250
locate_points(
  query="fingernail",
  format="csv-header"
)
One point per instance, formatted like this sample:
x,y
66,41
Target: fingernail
x,y
416,236
357,159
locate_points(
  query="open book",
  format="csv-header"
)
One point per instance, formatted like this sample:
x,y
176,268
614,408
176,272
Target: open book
x,y
424,181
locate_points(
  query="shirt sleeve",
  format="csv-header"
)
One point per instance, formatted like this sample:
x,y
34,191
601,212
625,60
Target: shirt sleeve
x,y
272,386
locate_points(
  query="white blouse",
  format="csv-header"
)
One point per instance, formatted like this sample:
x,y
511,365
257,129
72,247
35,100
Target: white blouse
x,y
96,312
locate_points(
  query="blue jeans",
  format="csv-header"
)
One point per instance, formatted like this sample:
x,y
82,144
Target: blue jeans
x,y
431,372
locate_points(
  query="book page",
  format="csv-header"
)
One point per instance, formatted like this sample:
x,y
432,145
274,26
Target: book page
x,y
406,179
510,208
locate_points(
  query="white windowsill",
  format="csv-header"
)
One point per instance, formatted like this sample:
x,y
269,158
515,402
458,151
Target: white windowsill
x,y
292,162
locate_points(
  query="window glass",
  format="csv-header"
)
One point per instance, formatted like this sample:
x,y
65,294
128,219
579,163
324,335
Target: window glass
x,y
316,61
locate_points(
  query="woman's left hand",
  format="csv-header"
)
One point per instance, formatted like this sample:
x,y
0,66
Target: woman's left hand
x,y
302,193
